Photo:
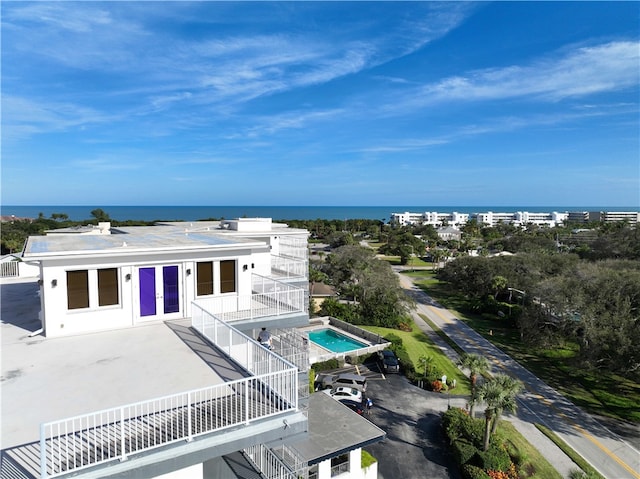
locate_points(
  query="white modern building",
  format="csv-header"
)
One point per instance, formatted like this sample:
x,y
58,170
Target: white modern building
x,y
521,218
517,218
134,355
432,218
631,217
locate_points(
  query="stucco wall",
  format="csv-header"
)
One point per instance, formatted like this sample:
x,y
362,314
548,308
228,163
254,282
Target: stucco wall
x,y
59,320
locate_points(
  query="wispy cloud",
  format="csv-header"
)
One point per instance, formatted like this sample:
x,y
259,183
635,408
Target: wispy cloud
x,y
219,65
499,124
23,116
75,19
577,72
104,164
290,120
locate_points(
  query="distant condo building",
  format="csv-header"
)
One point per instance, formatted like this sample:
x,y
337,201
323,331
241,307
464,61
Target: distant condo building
x,y
521,218
518,218
430,218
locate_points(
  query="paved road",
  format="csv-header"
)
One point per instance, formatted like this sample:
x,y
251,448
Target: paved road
x,y
414,446
606,451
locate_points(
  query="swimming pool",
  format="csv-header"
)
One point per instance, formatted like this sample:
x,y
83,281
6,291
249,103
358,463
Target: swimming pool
x,y
334,341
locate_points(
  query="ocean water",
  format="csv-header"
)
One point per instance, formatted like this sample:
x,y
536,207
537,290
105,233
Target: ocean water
x,y
194,213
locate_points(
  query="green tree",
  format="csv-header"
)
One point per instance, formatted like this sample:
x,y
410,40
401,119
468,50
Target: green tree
x,y
426,362
476,364
499,393
100,215
498,284
315,276
370,283
511,387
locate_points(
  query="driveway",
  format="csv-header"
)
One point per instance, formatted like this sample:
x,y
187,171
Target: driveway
x,y
414,446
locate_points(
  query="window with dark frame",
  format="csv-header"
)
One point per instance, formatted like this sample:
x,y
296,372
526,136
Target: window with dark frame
x,y
107,287
228,276
204,278
339,465
77,289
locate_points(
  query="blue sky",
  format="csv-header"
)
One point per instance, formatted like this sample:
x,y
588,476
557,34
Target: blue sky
x,y
333,103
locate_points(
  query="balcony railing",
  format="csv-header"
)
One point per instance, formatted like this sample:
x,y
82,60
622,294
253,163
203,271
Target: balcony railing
x,y
9,269
271,466
293,346
294,247
270,298
72,444
289,267
79,442
248,353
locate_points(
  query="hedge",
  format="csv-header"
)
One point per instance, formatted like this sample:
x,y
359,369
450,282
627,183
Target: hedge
x,y
463,452
495,459
473,472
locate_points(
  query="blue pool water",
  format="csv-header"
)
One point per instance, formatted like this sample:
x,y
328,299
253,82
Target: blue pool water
x,y
334,341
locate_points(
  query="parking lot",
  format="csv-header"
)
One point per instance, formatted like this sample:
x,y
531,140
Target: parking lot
x,y
414,446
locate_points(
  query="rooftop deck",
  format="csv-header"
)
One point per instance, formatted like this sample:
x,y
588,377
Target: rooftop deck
x,y
49,379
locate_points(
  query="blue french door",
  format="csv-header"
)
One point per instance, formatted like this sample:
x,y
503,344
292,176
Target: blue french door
x,y
159,290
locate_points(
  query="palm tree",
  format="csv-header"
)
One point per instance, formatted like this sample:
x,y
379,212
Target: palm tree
x,y
498,284
499,393
476,364
510,389
427,363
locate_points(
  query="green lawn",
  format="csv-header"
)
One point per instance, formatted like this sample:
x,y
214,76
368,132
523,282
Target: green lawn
x,y
537,466
417,262
419,344
599,392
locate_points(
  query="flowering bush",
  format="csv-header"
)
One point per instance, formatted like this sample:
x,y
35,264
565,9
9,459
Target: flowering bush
x,y
436,386
512,473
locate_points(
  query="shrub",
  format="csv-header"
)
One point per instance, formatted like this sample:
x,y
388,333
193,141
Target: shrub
x,y
356,359
463,452
395,340
436,386
403,357
496,459
457,424
366,459
326,365
470,471
312,378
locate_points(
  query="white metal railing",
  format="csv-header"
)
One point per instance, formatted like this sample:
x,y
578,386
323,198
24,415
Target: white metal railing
x,y
270,465
291,345
266,284
9,269
72,444
76,443
339,469
248,353
271,298
289,267
294,247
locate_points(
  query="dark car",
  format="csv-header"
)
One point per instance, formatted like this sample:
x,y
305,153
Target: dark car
x,y
388,361
353,405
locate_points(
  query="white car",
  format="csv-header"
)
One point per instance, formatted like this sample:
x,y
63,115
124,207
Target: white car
x,y
343,392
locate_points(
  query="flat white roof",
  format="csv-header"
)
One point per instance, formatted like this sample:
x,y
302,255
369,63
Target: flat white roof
x,y
169,236
46,379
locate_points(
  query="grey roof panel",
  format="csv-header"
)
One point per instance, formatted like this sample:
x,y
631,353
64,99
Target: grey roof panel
x,y
143,237
334,429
